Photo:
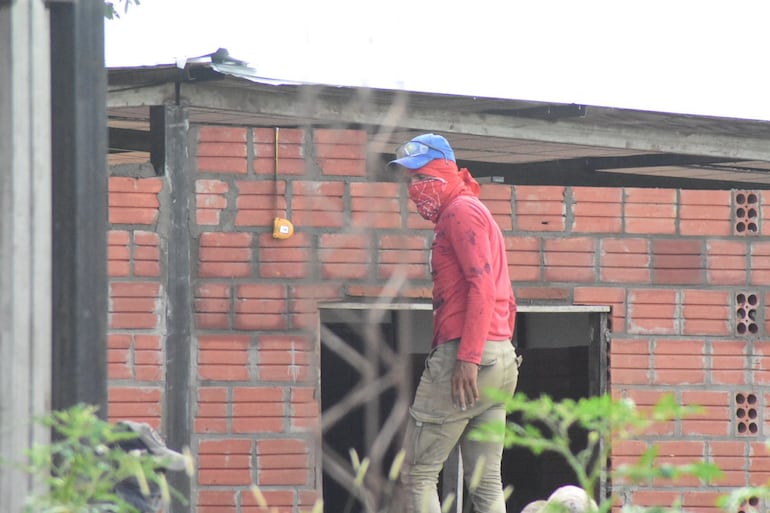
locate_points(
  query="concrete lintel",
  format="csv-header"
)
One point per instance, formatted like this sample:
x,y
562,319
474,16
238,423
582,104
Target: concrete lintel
x,y
352,305
141,96
751,144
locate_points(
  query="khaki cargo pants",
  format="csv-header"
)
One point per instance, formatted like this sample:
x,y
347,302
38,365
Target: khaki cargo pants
x,y
436,426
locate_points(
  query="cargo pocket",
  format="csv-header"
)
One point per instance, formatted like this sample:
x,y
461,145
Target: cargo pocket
x,y
428,441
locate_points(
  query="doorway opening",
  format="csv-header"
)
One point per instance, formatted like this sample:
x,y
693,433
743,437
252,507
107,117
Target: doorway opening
x,y
371,360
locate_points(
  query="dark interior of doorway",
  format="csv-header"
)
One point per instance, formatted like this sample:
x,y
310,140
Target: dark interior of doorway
x,y
556,348
353,431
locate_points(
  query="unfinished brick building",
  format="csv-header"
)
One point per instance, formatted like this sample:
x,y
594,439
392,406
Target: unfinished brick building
x,y
638,284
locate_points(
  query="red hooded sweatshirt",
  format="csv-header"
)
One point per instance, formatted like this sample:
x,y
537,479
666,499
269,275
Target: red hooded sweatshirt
x,y
472,296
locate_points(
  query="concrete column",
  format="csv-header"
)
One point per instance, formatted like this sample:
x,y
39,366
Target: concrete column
x,y
25,238
80,192
170,132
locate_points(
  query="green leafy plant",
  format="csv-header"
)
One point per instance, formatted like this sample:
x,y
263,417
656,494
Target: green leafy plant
x,y
746,498
83,465
112,8
546,425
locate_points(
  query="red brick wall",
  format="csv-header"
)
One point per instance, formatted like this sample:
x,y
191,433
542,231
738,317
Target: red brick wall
x,y
135,352
683,271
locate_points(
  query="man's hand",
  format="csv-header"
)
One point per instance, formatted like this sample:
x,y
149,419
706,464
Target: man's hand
x,y
465,387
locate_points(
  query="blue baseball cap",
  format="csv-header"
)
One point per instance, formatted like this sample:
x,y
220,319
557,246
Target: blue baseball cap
x,y
421,150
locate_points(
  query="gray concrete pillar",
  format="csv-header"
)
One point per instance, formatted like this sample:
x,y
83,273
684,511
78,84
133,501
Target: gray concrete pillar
x,y
25,238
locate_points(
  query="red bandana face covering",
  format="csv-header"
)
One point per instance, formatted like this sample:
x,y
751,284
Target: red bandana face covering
x,y
426,195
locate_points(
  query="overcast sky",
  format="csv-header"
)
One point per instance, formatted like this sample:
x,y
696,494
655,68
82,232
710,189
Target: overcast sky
x,y
687,56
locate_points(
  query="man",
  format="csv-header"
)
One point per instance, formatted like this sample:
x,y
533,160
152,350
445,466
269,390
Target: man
x,y
473,319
